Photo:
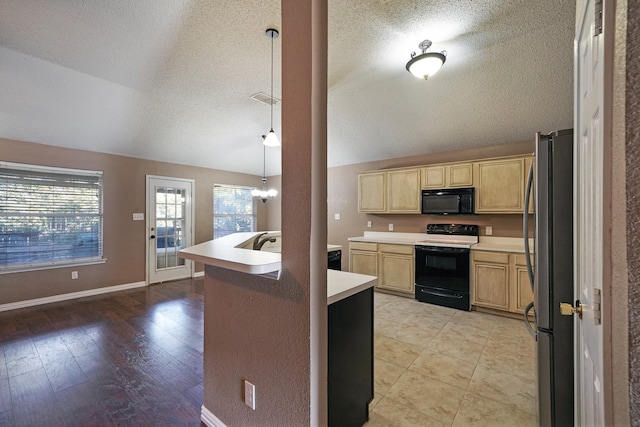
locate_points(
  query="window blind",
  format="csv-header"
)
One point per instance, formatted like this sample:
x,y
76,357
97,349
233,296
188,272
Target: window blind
x,y
233,210
48,216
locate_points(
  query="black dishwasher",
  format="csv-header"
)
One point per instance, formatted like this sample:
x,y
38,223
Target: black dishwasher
x,y
334,260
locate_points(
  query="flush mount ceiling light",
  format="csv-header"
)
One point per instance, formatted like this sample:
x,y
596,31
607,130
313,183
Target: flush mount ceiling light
x,y
426,64
271,139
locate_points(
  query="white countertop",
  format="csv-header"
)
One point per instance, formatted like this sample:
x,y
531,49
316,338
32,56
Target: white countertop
x,y
390,237
502,244
342,284
223,253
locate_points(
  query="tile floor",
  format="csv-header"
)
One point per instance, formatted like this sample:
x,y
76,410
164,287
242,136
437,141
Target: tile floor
x,y
436,366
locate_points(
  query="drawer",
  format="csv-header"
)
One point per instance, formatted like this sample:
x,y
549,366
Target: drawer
x,y
363,246
521,259
495,257
397,249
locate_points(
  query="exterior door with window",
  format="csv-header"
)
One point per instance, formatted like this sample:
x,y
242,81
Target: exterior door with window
x,y
169,228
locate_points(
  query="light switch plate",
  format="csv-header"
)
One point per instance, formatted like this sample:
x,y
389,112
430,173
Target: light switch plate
x,y
336,217
138,217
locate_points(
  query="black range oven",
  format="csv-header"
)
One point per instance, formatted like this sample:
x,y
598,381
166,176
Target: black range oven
x,y
442,266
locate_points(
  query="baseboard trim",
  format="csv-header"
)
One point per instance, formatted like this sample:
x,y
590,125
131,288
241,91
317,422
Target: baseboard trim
x,y
209,419
72,295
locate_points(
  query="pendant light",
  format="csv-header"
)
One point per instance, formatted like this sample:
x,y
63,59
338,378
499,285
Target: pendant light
x,y
272,140
264,194
426,64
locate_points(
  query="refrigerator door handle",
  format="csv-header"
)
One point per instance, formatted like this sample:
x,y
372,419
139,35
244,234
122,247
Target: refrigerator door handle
x,y
530,328
525,222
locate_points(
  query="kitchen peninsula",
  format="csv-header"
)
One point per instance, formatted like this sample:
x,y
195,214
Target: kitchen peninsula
x,y
350,320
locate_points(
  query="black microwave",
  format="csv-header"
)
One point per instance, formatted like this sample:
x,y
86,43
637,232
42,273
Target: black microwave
x,y
448,201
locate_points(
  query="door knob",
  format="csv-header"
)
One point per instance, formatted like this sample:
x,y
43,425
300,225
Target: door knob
x,y
567,309
152,236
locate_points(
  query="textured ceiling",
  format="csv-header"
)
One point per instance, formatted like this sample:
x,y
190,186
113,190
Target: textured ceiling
x,y
171,80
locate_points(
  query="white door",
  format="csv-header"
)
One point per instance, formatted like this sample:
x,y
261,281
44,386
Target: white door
x,y
588,214
169,228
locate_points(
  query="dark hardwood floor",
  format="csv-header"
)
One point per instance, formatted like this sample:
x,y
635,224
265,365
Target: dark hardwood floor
x,y
130,358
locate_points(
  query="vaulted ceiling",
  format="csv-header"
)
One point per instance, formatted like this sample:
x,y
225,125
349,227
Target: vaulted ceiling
x,y
172,80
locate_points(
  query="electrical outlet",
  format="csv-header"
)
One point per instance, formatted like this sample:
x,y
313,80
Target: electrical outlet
x,y
390,227
250,395
368,224
74,274
488,231
336,216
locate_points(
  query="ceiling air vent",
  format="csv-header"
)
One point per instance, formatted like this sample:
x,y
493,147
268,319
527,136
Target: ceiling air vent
x,y
266,99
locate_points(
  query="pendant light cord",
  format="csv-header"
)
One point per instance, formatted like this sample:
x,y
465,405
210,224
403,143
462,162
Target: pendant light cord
x,y
272,37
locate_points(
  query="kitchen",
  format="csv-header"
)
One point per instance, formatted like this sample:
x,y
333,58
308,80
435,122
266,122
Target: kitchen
x,y
335,188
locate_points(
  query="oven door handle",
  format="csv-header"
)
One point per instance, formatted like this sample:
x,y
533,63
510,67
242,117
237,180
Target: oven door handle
x,y
441,294
441,250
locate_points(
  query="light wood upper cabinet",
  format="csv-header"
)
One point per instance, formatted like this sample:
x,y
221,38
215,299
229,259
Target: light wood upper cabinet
x,y
500,185
404,191
390,191
372,192
453,175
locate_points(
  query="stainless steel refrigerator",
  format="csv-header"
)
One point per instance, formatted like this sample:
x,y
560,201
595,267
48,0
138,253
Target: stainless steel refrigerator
x,y
551,274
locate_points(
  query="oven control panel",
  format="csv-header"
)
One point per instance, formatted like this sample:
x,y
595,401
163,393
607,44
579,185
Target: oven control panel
x,y
453,229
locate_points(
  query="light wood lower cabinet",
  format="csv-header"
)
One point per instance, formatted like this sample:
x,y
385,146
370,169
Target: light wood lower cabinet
x,y
397,268
500,281
392,264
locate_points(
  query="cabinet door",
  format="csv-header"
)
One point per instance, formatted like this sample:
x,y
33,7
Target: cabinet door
x,y
459,175
372,192
500,186
396,272
433,177
404,191
491,279
363,262
520,285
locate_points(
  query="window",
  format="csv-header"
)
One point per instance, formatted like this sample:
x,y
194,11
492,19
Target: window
x,y
234,210
49,216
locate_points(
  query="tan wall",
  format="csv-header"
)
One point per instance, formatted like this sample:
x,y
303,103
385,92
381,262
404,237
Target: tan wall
x,y
343,199
124,239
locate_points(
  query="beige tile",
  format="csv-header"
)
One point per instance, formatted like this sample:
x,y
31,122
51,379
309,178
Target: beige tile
x,y
431,318
522,345
511,327
458,346
389,413
427,395
376,399
380,298
517,364
394,351
466,331
451,371
478,411
385,375
393,312
419,334
517,392
383,326
475,319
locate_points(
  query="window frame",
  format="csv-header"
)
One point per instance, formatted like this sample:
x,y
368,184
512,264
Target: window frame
x,y
51,262
254,208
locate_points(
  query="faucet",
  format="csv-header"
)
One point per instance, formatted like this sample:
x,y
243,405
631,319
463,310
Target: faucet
x,y
259,243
